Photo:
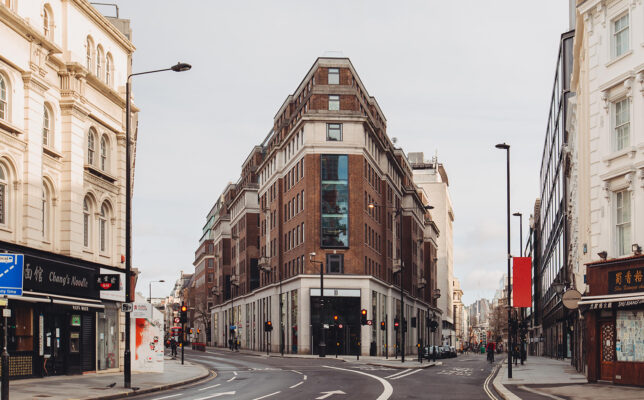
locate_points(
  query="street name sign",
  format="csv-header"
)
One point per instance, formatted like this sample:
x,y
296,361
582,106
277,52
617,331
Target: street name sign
x,y
11,272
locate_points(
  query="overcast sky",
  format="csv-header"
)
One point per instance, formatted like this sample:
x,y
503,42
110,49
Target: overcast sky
x,y
452,77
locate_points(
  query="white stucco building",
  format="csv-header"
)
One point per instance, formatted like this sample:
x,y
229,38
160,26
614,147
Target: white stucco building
x,y
432,178
63,68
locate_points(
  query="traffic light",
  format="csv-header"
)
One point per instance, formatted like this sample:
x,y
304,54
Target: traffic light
x,y
383,326
363,317
268,326
191,331
335,318
396,324
404,325
198,330
184,314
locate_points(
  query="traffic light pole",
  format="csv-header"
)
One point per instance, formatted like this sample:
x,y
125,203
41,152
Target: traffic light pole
x,y
183,335
386,338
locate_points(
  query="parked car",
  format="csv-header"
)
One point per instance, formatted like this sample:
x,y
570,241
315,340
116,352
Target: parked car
x,y
427,352
447,351
453,351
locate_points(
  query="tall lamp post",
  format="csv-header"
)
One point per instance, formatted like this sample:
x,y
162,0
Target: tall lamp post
x,y
322,345
127,370
519,312
506,147
151,282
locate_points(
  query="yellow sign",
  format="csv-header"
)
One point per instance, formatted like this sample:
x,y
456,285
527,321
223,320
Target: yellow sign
x,y
4,302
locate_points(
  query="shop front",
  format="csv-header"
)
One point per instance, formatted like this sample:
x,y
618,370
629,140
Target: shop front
x,y
613,310
60,325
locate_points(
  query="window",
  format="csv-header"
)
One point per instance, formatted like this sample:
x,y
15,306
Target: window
x,y
621,123
4,185
334,102
334,76
91,136
334,200
108,69
86,222
623,222
334,132
46,127
88,55
3,99
102,228
104,149
99,60
620,36
47,21
335,263
46,203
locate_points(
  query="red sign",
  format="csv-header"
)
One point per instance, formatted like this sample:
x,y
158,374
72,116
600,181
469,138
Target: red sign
x,y
340,326
522,282
369,322
176,320
106,285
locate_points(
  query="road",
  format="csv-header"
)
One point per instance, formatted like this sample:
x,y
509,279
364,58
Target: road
x,y
242,376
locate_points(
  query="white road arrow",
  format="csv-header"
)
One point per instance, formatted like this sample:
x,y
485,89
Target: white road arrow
x,y
216,395
329,394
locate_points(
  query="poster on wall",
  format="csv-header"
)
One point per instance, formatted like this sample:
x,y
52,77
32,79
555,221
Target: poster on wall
x,y
630,342
147,346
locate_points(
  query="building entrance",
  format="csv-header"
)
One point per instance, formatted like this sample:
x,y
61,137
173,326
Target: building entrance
x,y
342,334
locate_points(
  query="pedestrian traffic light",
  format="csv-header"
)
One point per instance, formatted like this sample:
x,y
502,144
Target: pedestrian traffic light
x,y
268,326
198,330
404,325
383,326
396,324
363,317
191,331
184,314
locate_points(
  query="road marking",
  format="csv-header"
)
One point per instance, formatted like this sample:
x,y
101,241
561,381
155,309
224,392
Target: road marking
x,y
527,389
487,383
297,372
397,373
263,397
210,387
386,393
329,394
405,375
304,377
235,373
216,395
231,379
167,397
296,385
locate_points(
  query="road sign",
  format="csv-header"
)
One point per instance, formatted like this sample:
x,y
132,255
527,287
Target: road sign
x,y
127,307
11,270
177,320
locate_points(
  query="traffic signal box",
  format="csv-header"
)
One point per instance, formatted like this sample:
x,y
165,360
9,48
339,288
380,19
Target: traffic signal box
x,y
396,324
184,314
363,317
383,326
268,326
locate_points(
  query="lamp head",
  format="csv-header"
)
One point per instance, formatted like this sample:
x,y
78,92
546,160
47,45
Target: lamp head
x,y
371,205
428,207
181,67
502,146
517,214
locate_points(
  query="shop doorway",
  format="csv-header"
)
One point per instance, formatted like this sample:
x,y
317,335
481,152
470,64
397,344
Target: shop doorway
x,y
607,350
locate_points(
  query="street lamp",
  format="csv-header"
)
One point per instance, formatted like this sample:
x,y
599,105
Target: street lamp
x,y
151,282
397,213
127,369
322,345
518,214
506,147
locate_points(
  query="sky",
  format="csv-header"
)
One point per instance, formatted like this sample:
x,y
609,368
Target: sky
x,y
453,78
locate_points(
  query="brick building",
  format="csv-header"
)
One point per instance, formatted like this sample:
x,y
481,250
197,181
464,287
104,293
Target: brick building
x,y
325,189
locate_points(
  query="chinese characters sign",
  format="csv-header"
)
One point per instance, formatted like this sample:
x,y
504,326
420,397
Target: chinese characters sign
x,y
625,281
108,282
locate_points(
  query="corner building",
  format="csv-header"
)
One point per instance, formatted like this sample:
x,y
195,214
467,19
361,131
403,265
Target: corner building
x,y
326,180
63,68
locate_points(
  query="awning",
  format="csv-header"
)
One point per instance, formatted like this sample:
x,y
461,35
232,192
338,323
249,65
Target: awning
x,y
29,299
78,305
612,300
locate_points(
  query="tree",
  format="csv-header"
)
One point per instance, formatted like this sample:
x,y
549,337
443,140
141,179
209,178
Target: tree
x,y
498,322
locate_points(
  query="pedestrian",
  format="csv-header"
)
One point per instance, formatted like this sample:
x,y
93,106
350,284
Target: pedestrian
x,y
237,344
230,344
434,353
173,346
490,352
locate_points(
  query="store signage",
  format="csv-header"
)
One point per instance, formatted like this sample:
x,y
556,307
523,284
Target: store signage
x,y
76,320
47,276
522,282
626,281
108,282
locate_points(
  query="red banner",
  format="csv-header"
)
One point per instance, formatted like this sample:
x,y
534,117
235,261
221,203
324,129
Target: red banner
x,y
522,282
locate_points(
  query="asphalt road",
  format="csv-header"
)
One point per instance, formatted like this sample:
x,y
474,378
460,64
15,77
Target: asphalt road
x,y
251,377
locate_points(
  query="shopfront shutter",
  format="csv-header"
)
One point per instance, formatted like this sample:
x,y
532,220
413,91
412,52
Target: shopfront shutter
x,y
88,342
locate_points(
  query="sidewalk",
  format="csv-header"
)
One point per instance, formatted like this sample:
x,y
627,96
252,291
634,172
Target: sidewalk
x,y
97,386
546,378
411,361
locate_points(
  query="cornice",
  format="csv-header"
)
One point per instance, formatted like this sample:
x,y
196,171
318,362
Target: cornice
x,y
101,183
104,23
33,81
107,91
74,108
24,29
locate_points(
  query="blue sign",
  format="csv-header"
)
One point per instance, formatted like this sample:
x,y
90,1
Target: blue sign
x,y
11,268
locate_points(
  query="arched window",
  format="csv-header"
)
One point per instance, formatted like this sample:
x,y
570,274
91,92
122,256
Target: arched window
x,y
4,195
108,69
3,99
90,46
91,137
46,211
46,127
46,21
104,152
103,229
86,222
99,61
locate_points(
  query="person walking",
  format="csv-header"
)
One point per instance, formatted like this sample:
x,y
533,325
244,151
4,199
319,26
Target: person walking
x,y
434,353
173,346
490,352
